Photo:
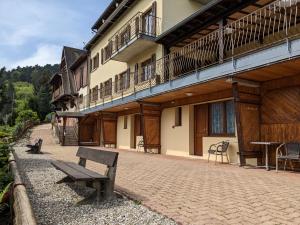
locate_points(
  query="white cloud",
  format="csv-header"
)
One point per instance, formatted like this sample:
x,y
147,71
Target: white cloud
x,y
45,54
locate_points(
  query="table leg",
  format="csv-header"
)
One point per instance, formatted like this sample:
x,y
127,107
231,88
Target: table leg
x,y
267,158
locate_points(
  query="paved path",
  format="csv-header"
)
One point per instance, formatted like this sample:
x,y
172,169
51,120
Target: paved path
x,y
192,191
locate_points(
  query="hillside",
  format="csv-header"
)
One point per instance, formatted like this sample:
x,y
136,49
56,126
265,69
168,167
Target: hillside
x,y
25,94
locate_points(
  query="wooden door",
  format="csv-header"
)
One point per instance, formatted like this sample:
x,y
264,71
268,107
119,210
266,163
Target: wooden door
x,y
137,127
109,128
201,127
250,125
152,130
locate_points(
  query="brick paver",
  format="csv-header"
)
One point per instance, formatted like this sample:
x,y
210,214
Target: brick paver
x,y
192,191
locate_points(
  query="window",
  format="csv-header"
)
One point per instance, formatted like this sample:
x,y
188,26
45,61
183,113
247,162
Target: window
x,y
125,122
178,116
107,87
107,51
222,118
125,36
96,61
95,93
147,70
148,22
124,80
80,99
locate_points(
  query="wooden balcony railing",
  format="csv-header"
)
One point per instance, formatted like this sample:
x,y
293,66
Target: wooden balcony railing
x,y
267,26
57,93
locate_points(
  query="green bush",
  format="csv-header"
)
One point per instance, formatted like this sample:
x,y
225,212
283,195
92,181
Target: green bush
x,y
5,177
27,115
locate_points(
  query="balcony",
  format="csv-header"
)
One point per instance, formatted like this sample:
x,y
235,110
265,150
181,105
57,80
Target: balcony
x,y
57,93
136,36
270,26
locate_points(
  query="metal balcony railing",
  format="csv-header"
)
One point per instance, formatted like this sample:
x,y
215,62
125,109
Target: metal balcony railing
x,y
269,25
140,24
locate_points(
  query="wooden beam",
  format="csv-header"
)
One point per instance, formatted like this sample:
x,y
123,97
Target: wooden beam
x,y
79,121
227,93
235,93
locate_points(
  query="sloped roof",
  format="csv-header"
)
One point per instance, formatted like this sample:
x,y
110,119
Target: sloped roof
x,y
70,55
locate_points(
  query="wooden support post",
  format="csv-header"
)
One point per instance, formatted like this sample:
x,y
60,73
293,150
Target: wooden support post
x,y
64,130
79,121
143,126
239,127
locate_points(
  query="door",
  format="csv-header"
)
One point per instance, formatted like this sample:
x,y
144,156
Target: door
x,y
201,127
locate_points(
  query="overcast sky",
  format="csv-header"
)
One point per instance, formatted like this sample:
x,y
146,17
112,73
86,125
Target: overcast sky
x,y
34,31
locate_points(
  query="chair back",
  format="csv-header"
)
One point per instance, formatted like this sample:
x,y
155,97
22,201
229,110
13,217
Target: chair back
x,y
292,149
225,145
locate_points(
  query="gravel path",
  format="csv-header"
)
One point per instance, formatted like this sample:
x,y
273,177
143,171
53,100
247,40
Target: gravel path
x,y
56,203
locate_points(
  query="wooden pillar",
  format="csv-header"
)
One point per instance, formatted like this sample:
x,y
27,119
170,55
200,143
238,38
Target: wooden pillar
x,y
64,130
236,98
143,126
79,120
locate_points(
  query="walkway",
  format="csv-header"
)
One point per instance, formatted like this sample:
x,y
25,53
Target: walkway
x,y
191,191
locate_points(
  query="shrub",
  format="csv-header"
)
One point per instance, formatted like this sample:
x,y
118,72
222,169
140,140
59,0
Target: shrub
x,y
5,177
27,115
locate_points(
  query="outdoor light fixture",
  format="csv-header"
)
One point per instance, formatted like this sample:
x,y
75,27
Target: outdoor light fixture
x,y
189,94
243,82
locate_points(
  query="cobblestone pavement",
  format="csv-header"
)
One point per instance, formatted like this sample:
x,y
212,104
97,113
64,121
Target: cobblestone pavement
x,y
192,191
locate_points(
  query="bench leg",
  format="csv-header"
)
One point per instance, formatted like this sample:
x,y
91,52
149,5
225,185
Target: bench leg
x,y
97,185
65,180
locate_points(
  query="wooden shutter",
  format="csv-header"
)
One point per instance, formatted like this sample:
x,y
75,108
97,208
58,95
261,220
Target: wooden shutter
x,y
154,5
137,25
116,83
136,73
153,67
128,77
117,42
102,56
97,61
110,86
91,65
101,90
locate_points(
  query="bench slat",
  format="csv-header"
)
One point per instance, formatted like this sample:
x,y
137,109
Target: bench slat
x,y
74,174
100,156
77,172
88,172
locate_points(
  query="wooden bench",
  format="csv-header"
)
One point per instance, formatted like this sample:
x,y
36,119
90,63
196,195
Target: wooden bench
x,y
103,183
36,147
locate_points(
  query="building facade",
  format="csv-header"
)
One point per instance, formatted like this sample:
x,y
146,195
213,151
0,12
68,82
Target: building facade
x,y
173,77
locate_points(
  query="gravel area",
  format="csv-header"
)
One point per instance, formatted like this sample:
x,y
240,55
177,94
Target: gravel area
x,y
56,203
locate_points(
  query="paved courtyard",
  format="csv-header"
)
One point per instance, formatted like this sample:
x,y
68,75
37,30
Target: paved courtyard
x,y
192,191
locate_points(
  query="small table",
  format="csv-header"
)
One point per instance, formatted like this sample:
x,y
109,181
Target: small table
x,y
266,144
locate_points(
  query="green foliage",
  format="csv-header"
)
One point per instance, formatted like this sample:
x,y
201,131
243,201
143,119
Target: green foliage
x,y
5,177
27,115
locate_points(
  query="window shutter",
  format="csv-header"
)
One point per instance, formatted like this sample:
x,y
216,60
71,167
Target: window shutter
x,y
101,90
136,73
117,42
129,32
91,65
137,26
128,77
116,83
97,61
154,6
153,67
110,86
102,56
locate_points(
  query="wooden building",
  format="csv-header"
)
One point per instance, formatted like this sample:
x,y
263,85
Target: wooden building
x,y
178,82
